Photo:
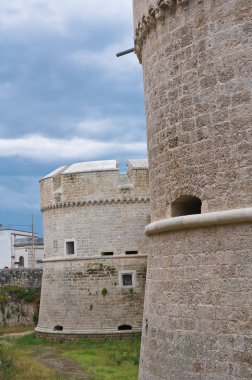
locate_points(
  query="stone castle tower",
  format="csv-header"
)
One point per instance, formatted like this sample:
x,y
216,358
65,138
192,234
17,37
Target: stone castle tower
x,y
95,249
197,66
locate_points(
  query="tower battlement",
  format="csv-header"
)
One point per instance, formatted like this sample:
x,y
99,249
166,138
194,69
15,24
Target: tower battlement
x,y
97,182
149,14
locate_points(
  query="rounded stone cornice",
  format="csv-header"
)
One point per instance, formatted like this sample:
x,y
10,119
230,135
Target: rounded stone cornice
x,y
94,203
156,13
93,258
200,220
103,331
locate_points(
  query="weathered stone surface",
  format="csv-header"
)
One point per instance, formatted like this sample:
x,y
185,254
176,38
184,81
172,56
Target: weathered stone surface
x,y
15,310
197,69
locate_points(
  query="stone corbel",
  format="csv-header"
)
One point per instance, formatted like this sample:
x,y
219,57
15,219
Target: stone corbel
x,y
159,14
150,21
144,28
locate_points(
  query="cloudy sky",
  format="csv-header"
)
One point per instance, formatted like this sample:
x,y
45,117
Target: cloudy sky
x,y
64,96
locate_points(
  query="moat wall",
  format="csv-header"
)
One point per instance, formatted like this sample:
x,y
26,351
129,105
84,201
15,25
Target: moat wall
x,y
196,57
19,296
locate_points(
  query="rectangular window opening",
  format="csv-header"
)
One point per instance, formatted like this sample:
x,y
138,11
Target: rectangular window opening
x,y
131,252
70,249
107,253
127,280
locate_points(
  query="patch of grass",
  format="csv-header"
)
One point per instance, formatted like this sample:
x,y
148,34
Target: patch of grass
x,y
27,368
31,340
15,329
7,369
107,359
104,359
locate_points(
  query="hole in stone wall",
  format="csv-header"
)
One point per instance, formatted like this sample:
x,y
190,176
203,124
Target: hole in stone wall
x,y
107,253
124,327
186,205
58,328
131,252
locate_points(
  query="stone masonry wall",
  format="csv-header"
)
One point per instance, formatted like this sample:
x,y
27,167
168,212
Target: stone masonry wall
x,y
197,66
197,318
19,296
97,229
87,295
27,278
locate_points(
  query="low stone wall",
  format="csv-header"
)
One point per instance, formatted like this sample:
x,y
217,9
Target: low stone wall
x,y
28,278
19,296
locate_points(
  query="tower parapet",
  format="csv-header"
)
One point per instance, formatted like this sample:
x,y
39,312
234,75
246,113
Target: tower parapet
x,y
90,183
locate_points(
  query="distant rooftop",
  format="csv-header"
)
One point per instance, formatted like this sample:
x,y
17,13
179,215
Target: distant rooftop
x,y
138,164
97,166
93,166
55,172
21,242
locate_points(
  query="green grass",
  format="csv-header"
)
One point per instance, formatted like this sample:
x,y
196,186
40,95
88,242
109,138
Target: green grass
x,y
105,359
108,359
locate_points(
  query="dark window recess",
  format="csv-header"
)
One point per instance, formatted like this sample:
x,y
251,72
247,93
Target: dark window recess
x,y
131,252
21,261
39,261
58,328
70,248
124,327
107,253
127,280
186,205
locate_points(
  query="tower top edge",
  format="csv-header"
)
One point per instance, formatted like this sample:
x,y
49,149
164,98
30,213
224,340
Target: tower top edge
x,y
147,13
97,166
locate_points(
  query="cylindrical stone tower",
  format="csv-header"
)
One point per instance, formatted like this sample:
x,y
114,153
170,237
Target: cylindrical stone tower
x,y
95,249
197,65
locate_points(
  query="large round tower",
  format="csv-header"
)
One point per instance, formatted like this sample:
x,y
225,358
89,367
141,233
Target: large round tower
x,y
197,65
95,249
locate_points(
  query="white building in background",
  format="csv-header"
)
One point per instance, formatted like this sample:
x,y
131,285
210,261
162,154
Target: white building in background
x,y
23,252
13,251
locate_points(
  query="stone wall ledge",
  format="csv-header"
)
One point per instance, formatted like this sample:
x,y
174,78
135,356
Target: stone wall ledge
x,y
103,331
243,215
57,259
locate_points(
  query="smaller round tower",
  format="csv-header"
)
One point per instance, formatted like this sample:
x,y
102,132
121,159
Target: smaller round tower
x,y
95,249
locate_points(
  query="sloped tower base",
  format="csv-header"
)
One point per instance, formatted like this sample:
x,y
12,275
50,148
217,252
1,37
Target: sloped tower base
x,y
197,317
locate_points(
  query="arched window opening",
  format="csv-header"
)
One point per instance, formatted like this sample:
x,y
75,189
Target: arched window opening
x,y
58,328
124,327
186,205
21,261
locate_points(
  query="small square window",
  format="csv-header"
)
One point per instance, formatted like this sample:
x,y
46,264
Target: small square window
x,y
127,280
70,249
